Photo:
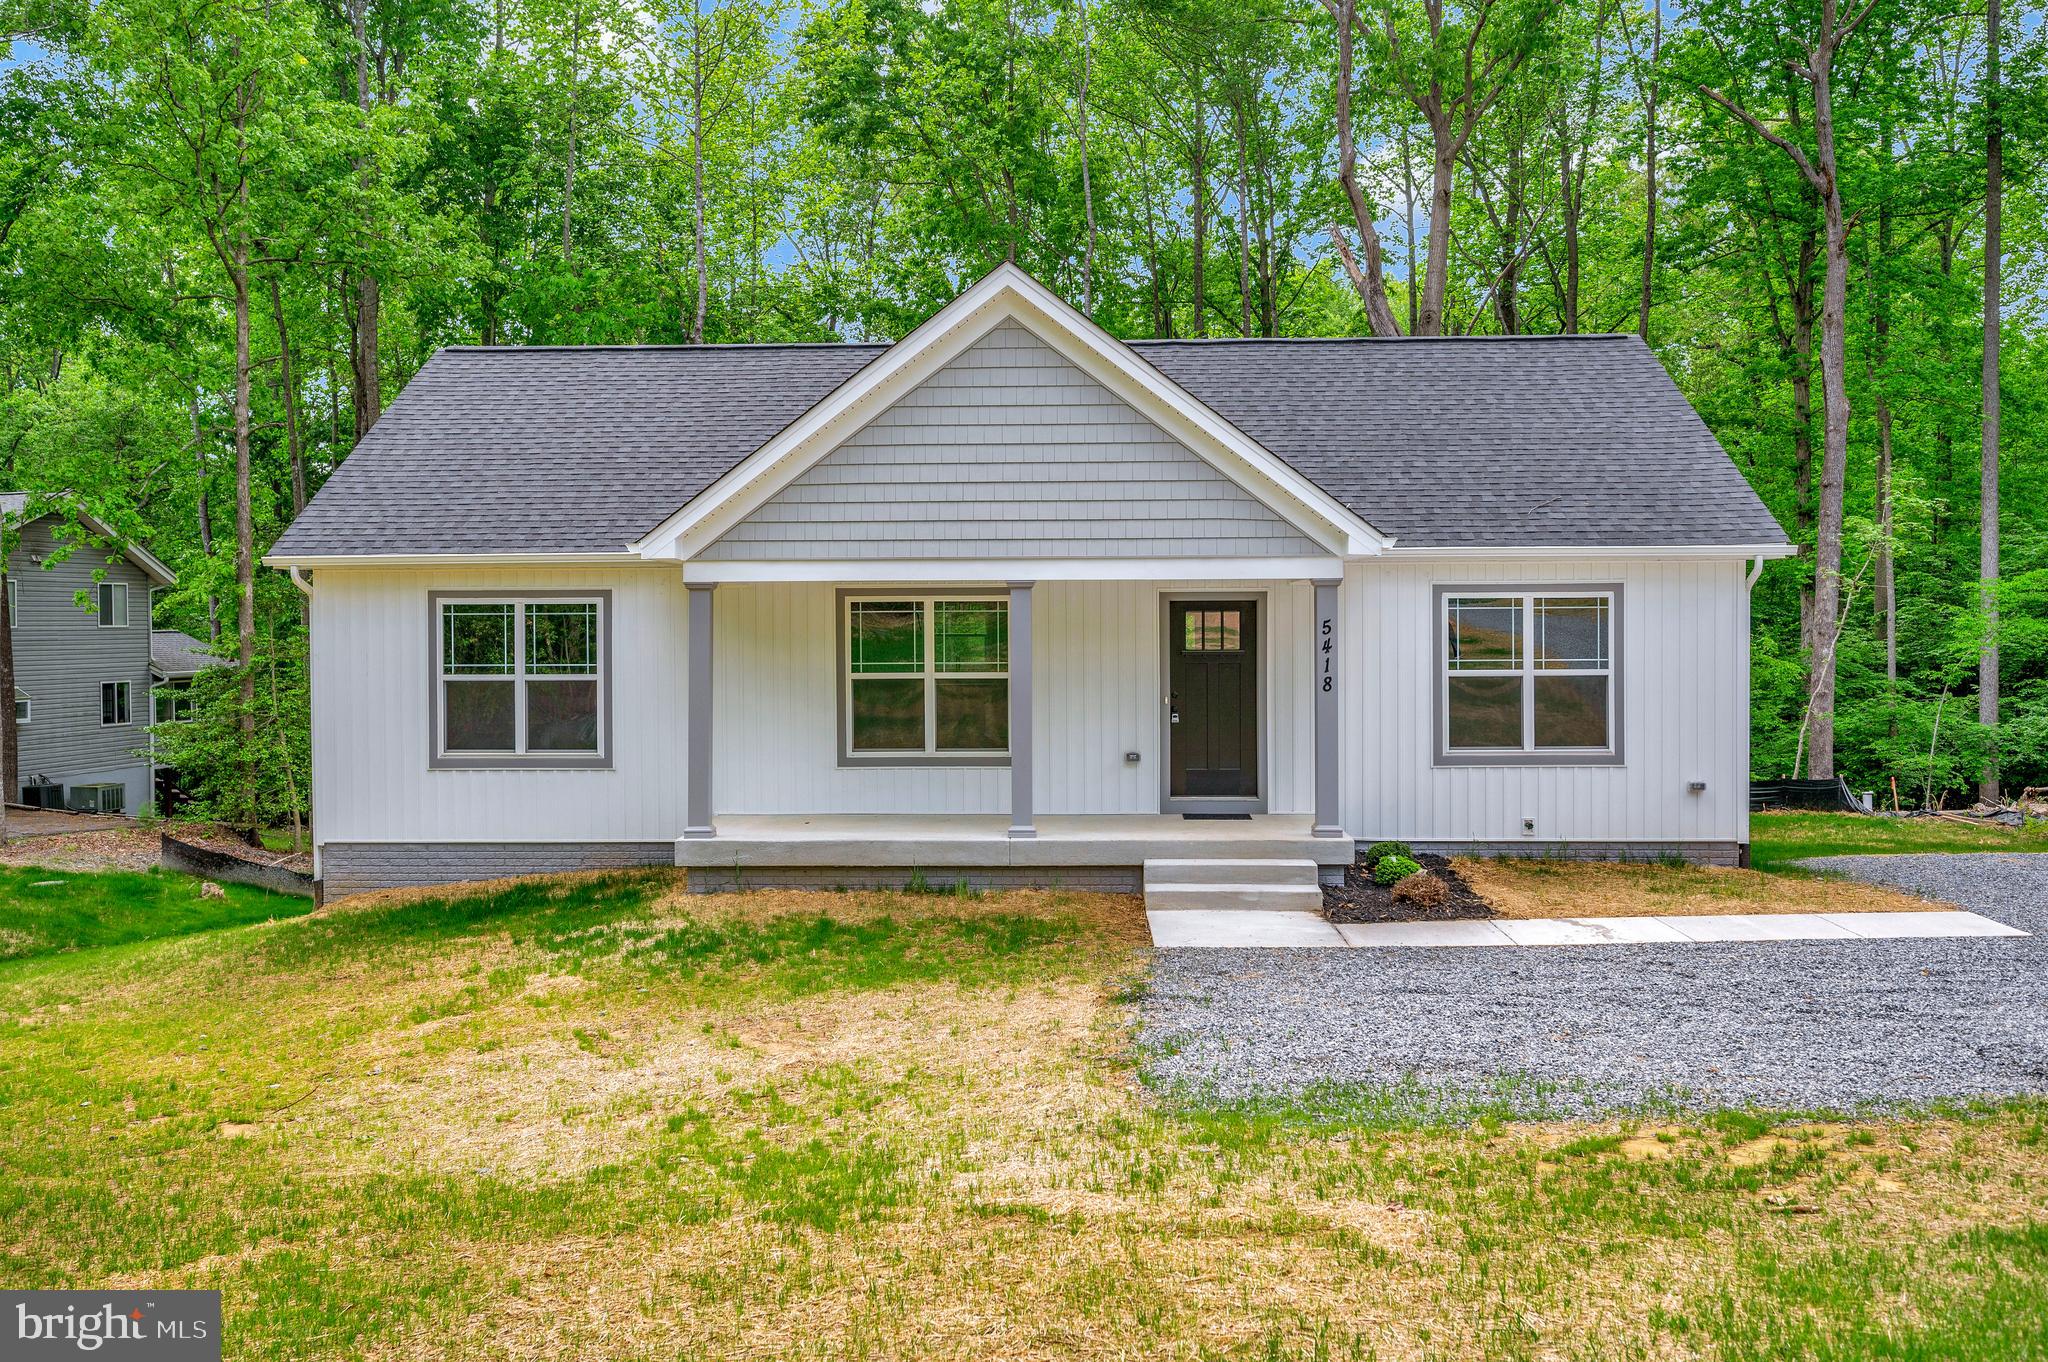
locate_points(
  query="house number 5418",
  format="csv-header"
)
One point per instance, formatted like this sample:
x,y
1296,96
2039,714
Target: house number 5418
x,y
1326,647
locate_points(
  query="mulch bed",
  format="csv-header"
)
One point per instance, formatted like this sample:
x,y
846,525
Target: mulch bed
x,y
1358,899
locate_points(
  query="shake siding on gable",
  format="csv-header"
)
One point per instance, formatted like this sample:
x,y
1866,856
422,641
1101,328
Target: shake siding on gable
x,y
1011,451
62,655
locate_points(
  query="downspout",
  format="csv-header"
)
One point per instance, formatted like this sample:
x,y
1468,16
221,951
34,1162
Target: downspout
x,y
302,584
1756,570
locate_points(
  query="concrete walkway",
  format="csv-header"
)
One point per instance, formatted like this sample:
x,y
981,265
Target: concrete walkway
x,y
1224,929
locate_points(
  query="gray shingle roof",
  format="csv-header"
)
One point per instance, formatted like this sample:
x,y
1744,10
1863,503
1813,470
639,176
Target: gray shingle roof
x,y
174,653
1567,441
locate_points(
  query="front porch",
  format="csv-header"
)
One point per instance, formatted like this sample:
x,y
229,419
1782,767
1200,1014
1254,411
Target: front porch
x,y
1124,704
1079,851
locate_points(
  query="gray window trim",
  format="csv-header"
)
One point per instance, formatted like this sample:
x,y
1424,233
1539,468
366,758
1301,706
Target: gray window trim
x,y
842,695
1441,755
437,760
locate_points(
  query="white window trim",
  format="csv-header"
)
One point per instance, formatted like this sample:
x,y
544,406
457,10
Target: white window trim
x,y
26,703
928,598
1528,754
440,759
125,697
176,692
13,598
103,599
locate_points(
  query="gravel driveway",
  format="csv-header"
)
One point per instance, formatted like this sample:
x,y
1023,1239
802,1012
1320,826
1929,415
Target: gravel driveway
x,y
1841,1025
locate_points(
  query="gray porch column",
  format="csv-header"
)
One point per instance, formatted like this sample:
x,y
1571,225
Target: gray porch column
x,y
1020,711
697,809
1325,674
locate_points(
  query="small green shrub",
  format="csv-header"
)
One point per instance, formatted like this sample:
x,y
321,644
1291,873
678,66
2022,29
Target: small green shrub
x,y
1394,869
1379,851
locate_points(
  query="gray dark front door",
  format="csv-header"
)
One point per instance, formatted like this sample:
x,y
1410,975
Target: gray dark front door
x,y
1213,701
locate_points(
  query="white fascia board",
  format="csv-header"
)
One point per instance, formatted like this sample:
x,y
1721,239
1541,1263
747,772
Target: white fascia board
x,y
703,572
1743,551
311,561
1007,293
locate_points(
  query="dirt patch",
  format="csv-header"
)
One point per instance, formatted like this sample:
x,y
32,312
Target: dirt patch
x,y
1358,899
107,848
1550,889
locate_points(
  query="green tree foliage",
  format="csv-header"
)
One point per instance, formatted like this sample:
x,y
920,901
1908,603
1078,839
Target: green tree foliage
x,y
230,233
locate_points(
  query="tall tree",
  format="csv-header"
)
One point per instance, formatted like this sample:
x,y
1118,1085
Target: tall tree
x,y
1822,172
1987,559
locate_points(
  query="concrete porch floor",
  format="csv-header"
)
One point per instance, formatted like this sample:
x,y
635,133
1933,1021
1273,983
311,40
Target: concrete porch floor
x,y
947,840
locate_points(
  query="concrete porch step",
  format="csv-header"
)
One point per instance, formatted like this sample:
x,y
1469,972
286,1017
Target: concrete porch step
x,y
1212,871
1271,898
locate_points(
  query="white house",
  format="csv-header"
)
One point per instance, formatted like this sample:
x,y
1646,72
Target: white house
x,y
1013,601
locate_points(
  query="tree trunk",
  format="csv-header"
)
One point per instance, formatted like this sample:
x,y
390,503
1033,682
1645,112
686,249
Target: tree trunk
x,y
1433,282
1244,217
1827,553
1408,216
1987,554
1371,286
696,330
1087,185
245,535
289,388
1198,173
569,163
363,359
1650,170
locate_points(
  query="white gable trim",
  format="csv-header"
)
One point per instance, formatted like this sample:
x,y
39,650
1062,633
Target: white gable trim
x,y
1009,294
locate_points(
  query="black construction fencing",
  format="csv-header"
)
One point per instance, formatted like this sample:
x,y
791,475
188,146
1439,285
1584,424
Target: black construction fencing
x,y
1824,796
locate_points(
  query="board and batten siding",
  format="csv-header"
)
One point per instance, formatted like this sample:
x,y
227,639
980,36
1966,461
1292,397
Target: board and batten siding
x,y
371,678
1098,693
1010,451
62,655
1684,696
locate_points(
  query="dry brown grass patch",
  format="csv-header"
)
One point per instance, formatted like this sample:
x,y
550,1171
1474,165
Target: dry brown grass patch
x,y
1545,889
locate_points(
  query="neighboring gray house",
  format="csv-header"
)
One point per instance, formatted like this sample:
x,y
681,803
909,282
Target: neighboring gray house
x,y
175,658
81,672
1011,600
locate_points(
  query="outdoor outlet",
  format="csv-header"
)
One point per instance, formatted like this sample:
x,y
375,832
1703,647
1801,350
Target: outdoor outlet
x,y
1528,827
1130,758
1697,787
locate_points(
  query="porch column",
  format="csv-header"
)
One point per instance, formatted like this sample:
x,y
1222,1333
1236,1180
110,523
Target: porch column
x,y
1020,711
697,806
1325,673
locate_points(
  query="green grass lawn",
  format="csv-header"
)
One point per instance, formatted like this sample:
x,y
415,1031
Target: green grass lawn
x,y
1775,839
595,1119
43,910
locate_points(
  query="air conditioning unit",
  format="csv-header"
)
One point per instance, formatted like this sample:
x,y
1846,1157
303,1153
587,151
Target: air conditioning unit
x,y
98,798
43,794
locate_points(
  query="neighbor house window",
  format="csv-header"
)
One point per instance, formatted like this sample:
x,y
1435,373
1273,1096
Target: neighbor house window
x,y
13,598
927,677
113,605
113,703
1528,675
22,707
521,679
172,702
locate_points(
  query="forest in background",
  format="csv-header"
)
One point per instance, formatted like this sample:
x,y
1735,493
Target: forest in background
x,y
231,232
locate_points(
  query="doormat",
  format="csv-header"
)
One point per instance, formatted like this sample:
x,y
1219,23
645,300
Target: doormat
x,y
1217,817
